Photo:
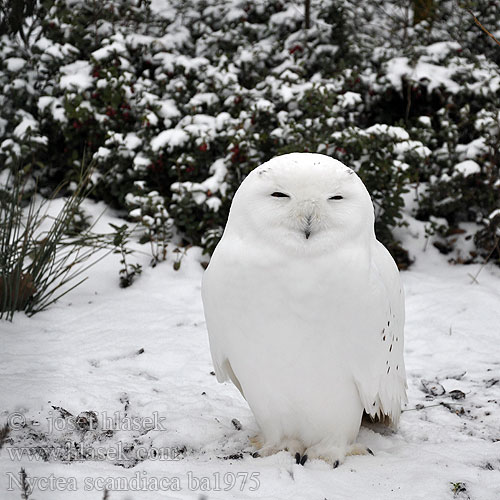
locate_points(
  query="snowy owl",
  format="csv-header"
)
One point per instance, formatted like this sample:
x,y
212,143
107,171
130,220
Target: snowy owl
x,y
305,308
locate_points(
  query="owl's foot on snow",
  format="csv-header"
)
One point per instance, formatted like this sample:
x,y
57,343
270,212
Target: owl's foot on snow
x,y
300,460
330,454
293,446
334,455
256,441
358,449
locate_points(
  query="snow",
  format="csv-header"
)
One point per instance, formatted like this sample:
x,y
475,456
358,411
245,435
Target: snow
x,y
169,138
28,124
15,64
218,172
45,101
289,76
264,105
143,352
19,84
191,63
214,203
76,75
10,146
127,142
141,161
53,50
221,120
425,120
108,50
436,76
415,146
168,109
474,149
102,152
398,133
131,141
439,50
467,167
235,15
162,9
152,118
350,99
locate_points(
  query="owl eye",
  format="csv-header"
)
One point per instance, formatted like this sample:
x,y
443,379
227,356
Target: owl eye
x,y
277,194
338,197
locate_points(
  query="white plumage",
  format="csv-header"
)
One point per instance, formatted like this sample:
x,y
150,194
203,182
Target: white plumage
x,y
305,308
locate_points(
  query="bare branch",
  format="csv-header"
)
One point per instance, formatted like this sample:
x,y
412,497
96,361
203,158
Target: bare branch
x,y
476,20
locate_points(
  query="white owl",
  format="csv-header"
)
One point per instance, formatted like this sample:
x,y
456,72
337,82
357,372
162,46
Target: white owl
x,y
305,308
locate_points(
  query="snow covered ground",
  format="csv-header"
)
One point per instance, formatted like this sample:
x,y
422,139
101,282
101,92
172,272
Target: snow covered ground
x,y
138,358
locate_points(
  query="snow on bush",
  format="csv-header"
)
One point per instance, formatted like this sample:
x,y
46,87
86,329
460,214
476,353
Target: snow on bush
x,y
186,101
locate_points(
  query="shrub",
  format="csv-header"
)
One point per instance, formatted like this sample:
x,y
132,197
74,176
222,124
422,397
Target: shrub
x,y
180,107
41,258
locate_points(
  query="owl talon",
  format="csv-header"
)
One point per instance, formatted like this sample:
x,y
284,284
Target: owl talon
x,y
327,452
256,455
303,460
297,458
359,449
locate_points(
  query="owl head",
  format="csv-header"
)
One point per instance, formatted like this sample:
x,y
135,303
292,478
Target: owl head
x,y
302,201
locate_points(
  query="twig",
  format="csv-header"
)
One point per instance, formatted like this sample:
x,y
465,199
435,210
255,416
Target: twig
x,y
408,101
476,20
474,278
25,488
4,432
430,406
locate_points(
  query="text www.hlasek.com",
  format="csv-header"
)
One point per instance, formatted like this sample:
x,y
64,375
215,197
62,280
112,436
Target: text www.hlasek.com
x,y
75,452
140,481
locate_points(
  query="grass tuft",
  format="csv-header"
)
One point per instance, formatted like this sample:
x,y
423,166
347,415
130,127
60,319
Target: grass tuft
x,y
42,258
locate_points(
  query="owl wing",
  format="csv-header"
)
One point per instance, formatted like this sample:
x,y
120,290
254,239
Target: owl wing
x,y
218,323
380,371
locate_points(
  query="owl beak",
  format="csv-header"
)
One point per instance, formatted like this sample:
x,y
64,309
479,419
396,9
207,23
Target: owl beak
x,y
307,216
307,229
